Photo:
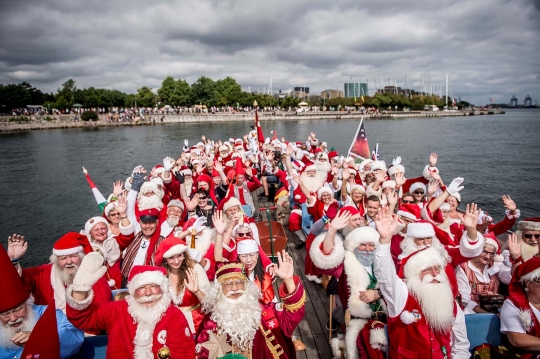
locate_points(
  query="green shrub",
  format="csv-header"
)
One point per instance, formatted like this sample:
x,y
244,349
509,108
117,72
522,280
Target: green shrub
x,y
89,116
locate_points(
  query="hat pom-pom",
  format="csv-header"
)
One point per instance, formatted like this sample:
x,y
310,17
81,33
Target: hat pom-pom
x,y
111,282
297,196
406,317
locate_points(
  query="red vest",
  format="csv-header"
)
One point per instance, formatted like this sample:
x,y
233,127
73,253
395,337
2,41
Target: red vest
x,y
416,340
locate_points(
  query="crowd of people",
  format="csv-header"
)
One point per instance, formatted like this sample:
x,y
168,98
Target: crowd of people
x,y
182,239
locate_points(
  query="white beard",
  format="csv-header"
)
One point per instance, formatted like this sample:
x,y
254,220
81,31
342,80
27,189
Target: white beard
x,y
323,168
238,318
408,247
435,299
7,332
528,251
312,183
146,319
173,221
149,202
65,277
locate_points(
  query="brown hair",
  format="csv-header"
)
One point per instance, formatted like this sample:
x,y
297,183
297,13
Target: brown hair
x,y
186,263
373,198
120,296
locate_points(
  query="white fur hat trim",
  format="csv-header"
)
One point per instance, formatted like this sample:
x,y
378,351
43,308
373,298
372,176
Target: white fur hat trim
x,y
422,260
174,250
420,230
233,201
389,184
92,222
445,206
148,277
417,185
359,236
378,165
324,190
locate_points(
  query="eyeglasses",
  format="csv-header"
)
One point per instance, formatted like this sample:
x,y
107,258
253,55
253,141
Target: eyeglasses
x,y
530,235
418,192
175,211
405,201
235,283
489,254
15,311
240,234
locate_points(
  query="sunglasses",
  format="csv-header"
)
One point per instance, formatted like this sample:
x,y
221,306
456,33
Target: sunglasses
x,y
529,236
202,198
247,234
418,192
405,201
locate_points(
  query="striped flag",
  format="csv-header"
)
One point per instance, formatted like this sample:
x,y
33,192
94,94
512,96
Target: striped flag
x,y
101,201
359,146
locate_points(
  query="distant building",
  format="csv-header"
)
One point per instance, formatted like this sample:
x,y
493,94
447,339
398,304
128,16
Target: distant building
x,y
301,92
328,94
528,101
513,101
355,89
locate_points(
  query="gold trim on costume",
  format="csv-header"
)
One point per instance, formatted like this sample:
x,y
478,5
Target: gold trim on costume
x,y
294,307
190,308
275,350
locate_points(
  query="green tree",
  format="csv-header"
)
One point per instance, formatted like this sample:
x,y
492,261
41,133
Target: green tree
x,y
66,95
174,93
14,96
203,91
145,97
227,92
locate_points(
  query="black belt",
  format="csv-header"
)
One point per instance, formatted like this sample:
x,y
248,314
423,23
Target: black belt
x,y
378,316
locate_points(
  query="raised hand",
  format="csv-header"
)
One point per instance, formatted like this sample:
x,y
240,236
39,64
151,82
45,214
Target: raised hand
x,y
285,268
121,205
168,163
380,177
514,247
509,203
341,220
313,135
470,219
436,176
433,159
400,178
191,282
296,178
432,187
219,222
17,246
392,198
345,174
203,137
218,167
454,186
117,188
386,223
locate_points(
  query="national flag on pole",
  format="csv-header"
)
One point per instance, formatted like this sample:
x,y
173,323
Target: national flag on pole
x,y
359,146
260,135
375,156
101,201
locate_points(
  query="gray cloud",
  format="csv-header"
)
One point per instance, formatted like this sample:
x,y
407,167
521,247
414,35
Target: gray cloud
x,y
488,47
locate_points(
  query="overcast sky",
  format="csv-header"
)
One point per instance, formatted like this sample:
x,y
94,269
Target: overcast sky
x,y
489,48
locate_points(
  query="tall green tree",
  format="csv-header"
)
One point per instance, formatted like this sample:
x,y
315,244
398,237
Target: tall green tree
x,y
145,97
174,93
203,91
66,95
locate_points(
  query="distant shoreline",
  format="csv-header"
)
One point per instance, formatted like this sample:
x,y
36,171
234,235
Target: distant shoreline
x,y
65,122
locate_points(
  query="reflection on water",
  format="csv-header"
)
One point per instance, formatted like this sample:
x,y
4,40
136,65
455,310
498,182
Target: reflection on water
x,y
45,193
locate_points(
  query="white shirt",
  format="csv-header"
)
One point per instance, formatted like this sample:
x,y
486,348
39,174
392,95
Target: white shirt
x,y
395,294
510,318
501,271
140,259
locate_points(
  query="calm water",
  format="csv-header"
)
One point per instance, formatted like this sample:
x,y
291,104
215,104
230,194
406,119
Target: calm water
x,y
46,195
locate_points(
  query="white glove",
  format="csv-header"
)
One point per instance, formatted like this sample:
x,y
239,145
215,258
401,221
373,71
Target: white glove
x,y
194,254
90,271
199,224
267,141
167,163
396,161
455,187
186,148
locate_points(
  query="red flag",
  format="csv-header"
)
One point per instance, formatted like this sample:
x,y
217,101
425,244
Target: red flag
x,y
260,135
359,146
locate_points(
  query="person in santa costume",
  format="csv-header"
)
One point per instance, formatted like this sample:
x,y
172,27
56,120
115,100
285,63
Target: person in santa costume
x,y
318,207
407,213
144,325
233,214
143,248
352,262
520,314
424,320
188,279
529,234
176,216
252,329
353,194
246,182
19,315
481,276
48,282
219,181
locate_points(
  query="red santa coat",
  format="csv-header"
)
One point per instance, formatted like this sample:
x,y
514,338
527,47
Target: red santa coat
x,y
417,339
171,331
278,323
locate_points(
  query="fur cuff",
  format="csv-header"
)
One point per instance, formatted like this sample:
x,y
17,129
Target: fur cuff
x,y
327,261
78,304
354,328
377,339
337,344
469,249
371,192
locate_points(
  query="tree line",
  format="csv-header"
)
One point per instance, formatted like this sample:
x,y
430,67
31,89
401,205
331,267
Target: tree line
x,y
204,91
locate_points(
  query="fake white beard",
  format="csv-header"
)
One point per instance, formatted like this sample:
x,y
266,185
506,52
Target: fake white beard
x,y
408,246
238,318
149,202
312,183
323,167
366,258
435,299
528,251
7,332
173,221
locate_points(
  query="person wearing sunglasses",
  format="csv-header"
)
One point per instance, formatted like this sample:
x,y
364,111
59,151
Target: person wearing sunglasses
x,y
418,190
529,234
520,313
481,276
205,208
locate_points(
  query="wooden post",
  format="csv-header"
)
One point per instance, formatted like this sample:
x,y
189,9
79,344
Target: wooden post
x,y
331,300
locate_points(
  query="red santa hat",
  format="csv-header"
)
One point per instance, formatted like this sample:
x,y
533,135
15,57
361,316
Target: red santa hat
x,y
416,262
149,215
15,291
322,191
157,180
484,216
396,167
530,224
421,229
92,222
410,211
231,202
109,207
143,275
215,173
185,171
171,246
524,273
239,167
417,185
310,167
351,209
230,270
333,154
159,169
282,192
71,243
44,341
149,186
445,206
360,236
298,165
378,165
223,148
247,245
389,184
363,164
490,238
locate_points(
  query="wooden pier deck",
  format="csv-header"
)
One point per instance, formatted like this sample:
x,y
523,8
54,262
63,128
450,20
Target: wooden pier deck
x,y
312,329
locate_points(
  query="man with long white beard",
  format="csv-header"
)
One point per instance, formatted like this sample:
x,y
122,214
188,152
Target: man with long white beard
x,y
322,164
19,315
424,320
252,329
48,282
352,262
175,217
528,234
143,326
